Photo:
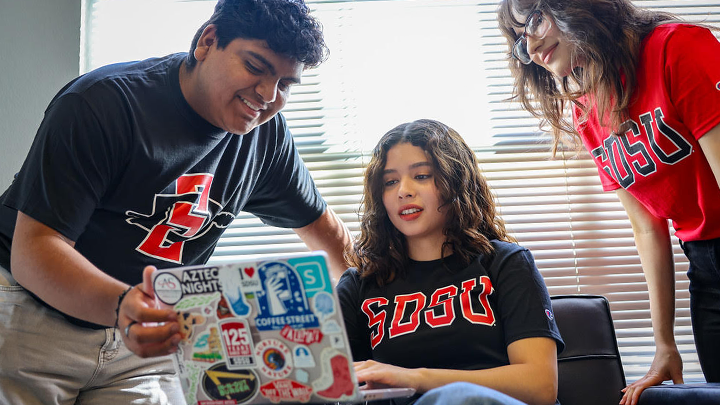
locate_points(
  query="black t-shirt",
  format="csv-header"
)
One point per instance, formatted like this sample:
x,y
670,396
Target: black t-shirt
x,y
454,317
127,169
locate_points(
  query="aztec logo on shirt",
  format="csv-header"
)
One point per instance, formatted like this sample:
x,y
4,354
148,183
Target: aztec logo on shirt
x,y
624,157
178,218
438,312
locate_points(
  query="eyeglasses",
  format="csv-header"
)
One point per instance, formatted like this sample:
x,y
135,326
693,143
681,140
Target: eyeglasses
x,y
536,26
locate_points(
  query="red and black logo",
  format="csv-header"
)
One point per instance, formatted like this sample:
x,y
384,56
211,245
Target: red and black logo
x,y
178,218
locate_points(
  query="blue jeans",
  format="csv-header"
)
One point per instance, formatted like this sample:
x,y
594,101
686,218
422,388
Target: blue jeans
x,y
704,275
462,393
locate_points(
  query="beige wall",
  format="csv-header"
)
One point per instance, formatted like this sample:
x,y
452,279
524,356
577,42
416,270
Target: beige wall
x,y
39,53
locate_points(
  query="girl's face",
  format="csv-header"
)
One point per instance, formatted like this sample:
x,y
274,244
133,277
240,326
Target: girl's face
x,y
552,51
410,197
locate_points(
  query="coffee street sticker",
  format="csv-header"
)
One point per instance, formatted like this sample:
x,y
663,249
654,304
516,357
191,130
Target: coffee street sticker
x,y
219,383
282,300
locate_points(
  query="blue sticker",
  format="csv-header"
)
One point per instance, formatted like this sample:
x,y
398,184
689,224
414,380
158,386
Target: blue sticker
x,y
314,274
282,300
202,341
302,356
324,305
231,280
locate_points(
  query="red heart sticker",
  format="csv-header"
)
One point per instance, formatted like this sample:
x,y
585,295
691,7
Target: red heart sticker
x,y
249,271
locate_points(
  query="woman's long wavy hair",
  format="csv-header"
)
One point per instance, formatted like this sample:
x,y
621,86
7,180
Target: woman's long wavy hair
x,y
606,35
381,250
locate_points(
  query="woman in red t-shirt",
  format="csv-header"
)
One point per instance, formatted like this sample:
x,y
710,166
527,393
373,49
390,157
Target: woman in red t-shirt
x,y
644,89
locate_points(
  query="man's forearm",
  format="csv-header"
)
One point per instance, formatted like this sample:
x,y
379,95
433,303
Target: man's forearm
x,y
330,234
46,263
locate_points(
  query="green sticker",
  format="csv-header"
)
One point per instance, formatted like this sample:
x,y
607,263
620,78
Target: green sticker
x,y
196,301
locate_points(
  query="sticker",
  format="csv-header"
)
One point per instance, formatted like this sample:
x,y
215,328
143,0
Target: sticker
x,y
303,357
223,309
177,358
187,382
201,280
274,358
219,383
286,390
207,347
171,288
336,381
323,305
237,343
282,300
190,382
250,280
302,376
337,341
331,327
208,311
195,301
302,336
167,288
231,281
314,274
188,321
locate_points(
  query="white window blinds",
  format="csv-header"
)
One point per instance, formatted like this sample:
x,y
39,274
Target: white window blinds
x,y
396,61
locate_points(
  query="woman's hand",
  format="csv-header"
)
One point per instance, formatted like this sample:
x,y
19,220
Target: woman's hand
x,y
152,332
667,365
380,375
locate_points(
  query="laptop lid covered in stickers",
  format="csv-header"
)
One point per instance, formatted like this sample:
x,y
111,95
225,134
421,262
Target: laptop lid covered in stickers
x,y
262,331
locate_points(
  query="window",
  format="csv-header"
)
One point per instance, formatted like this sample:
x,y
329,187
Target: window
x,y
398,60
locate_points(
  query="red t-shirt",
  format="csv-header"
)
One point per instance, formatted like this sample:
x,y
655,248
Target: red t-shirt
x,y
658,160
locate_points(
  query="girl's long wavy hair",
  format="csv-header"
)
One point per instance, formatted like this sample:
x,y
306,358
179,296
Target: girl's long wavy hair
x,y
606,35
380,250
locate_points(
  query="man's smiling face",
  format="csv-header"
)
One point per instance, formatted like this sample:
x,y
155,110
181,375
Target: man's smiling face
x,y
241,86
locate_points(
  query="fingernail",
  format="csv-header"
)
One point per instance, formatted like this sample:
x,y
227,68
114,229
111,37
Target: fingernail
x,y
175,328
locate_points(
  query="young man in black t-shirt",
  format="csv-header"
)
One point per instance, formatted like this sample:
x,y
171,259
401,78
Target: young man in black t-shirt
x,y
143,165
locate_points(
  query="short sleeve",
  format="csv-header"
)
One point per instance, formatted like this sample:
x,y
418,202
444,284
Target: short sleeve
x,y
286,195
348,290
523,299
69,167
692,73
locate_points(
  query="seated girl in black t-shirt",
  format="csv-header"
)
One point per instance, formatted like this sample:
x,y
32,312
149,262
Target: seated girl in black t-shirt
x,y
440,293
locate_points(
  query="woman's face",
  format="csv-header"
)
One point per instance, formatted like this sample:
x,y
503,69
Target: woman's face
x,y
552,51
411,199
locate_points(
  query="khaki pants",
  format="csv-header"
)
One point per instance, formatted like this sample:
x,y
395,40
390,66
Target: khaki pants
x,y
46,360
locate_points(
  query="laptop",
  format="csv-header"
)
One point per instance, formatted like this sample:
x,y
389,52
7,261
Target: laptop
x,y
262,331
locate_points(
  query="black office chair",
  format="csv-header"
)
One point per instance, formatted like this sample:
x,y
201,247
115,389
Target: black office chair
x,y
589,369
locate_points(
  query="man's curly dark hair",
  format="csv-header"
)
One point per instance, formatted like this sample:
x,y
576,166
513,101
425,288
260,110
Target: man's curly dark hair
x,y
286,26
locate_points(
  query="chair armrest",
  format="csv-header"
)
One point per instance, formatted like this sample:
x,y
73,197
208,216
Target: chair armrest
x,y
681,394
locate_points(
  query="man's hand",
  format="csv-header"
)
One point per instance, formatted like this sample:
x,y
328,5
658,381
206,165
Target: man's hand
x,y
152,332
667,365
